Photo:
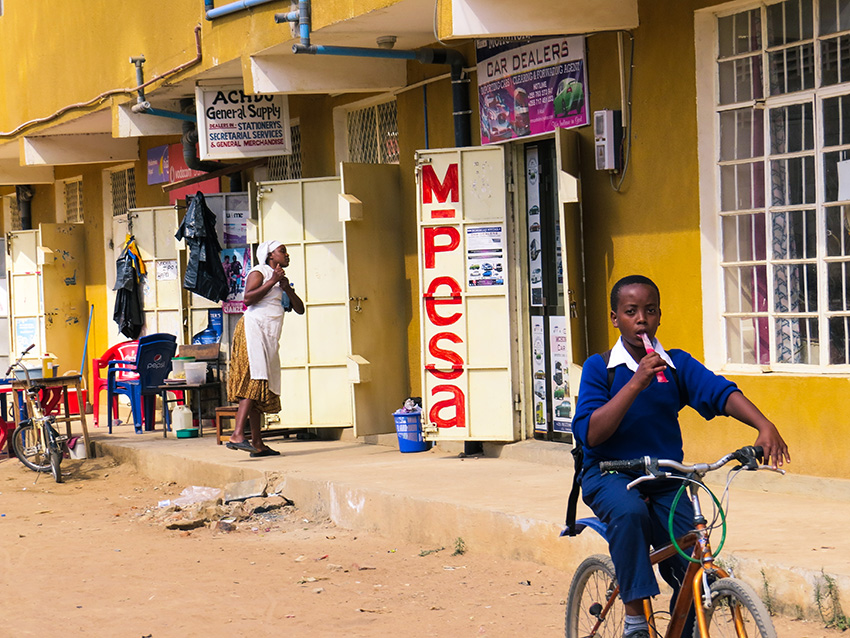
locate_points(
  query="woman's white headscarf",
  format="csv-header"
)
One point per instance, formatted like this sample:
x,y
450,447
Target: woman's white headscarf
x,y
265,249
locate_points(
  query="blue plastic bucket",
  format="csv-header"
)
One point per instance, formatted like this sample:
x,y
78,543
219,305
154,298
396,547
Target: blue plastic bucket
x,y
408,427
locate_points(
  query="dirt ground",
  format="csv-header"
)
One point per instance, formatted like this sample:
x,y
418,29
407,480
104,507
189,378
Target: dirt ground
x,y
93,557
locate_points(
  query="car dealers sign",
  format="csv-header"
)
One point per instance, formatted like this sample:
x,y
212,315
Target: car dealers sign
x,y
232,124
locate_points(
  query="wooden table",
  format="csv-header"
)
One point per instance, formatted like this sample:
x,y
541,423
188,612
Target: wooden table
x,y
70,381
201,389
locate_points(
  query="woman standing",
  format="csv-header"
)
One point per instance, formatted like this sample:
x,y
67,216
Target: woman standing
x,y
253,379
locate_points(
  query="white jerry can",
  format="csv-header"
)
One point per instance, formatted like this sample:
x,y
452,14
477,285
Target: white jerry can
x,y
181,418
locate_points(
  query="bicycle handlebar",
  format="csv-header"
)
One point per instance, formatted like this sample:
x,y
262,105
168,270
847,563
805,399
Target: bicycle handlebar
x,y
749,457
18,361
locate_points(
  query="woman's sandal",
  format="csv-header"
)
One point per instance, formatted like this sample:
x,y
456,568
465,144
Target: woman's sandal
x,y
266,451
241,445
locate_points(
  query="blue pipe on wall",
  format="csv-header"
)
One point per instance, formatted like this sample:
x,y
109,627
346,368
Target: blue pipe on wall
x,y
172,114
233,7
354,52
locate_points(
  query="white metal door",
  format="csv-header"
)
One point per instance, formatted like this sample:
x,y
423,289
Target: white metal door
x,y
304,215
154,230
465,320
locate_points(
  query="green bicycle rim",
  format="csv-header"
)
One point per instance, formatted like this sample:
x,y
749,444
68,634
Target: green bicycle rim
x,y
672,516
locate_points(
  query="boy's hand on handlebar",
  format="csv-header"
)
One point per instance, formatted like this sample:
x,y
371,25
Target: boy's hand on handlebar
x,y
775,448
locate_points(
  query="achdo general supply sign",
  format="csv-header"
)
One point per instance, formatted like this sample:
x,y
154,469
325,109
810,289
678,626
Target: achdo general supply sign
x,y
232,124
530,86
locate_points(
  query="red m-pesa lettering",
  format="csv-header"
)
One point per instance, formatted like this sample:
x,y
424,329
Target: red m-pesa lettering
x,y
431,247
452,299
458,402
446,355
445,190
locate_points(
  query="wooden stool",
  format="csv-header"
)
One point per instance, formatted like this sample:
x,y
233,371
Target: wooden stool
x,y
223,412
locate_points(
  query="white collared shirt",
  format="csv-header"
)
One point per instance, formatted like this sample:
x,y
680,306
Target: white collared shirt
x,y
619,355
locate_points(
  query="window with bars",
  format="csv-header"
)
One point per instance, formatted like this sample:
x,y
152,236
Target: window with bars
x,y
123,191
782,113
15,214
73,201
283,167
373,134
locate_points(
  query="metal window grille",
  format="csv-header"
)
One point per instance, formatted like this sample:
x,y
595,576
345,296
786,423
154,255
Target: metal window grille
x,y
784,191
373,134
74,201
283,167
123,191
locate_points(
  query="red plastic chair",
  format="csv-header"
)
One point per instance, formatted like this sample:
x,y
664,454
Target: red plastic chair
x,y
121,351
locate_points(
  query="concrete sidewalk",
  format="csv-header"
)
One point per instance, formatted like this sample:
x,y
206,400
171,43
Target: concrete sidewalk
x,y
784,532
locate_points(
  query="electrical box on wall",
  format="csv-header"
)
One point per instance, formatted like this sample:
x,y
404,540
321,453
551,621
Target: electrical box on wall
x,y
607,135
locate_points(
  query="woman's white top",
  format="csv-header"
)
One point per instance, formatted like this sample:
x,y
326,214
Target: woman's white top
x,y
263,323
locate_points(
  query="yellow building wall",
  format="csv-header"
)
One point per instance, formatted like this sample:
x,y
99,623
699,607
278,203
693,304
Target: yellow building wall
x,y
652,227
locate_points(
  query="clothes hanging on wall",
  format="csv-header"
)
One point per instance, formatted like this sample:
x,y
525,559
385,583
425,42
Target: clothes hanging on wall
x,y
205,274
129,305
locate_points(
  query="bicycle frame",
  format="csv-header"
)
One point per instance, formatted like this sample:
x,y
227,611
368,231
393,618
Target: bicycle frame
x,y
696,578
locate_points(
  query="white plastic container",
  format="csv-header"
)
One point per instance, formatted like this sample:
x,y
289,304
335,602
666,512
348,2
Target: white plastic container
x,y
196,371
181,417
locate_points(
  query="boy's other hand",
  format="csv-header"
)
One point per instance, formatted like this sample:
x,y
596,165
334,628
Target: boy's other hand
x,y
775,449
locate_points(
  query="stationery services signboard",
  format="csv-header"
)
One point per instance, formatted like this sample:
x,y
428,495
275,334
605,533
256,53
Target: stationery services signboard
x,y
232,124
528,86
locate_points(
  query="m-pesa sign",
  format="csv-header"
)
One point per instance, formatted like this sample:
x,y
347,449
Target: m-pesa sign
x,y
442,297
464,312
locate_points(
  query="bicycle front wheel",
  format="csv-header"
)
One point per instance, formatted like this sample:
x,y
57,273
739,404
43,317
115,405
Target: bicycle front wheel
x,y
55,455
593,607
736,611
29,449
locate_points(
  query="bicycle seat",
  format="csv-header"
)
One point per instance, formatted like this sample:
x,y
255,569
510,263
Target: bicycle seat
x,y
593,523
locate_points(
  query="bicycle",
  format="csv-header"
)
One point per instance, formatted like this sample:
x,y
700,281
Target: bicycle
x,y
37,444
724,606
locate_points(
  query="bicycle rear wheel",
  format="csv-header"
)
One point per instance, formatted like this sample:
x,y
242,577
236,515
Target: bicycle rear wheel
x,y
29,449
594,583
732,599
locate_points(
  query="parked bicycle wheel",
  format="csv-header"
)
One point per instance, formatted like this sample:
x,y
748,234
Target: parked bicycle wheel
x,y
29,450
592,586
55,453
731,598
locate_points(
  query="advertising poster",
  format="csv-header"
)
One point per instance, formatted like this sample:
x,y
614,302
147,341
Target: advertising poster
x,y
232,124
530,86
485,255
158,165
562,408
236,262
235,224
538,367
535,241
178,171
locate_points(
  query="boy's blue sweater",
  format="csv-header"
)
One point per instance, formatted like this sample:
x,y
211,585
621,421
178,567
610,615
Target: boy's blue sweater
x,y
651,425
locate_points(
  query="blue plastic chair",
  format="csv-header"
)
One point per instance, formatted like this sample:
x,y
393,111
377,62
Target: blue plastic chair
x,y
152,364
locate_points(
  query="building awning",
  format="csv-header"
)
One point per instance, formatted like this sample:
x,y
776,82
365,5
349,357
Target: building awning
x,y
504,18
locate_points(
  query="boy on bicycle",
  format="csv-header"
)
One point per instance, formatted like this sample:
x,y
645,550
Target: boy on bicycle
x,y
624,412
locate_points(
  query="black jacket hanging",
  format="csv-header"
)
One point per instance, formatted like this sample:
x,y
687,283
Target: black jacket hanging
x,y
205,275
129,304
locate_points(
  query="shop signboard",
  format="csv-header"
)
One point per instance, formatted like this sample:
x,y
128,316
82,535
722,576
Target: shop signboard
x,y
528,86
464,314
538,368
236,263
233,124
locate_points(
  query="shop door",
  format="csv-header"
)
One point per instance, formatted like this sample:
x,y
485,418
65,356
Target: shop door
x,y
344,362
47,290
465,316
555,282
154,230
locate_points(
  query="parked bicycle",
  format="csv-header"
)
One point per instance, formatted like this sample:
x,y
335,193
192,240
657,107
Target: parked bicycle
x,y
36,442
724,606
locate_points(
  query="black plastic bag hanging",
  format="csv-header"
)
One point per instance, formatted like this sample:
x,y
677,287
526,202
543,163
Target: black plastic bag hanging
x,y
204,272
129,303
